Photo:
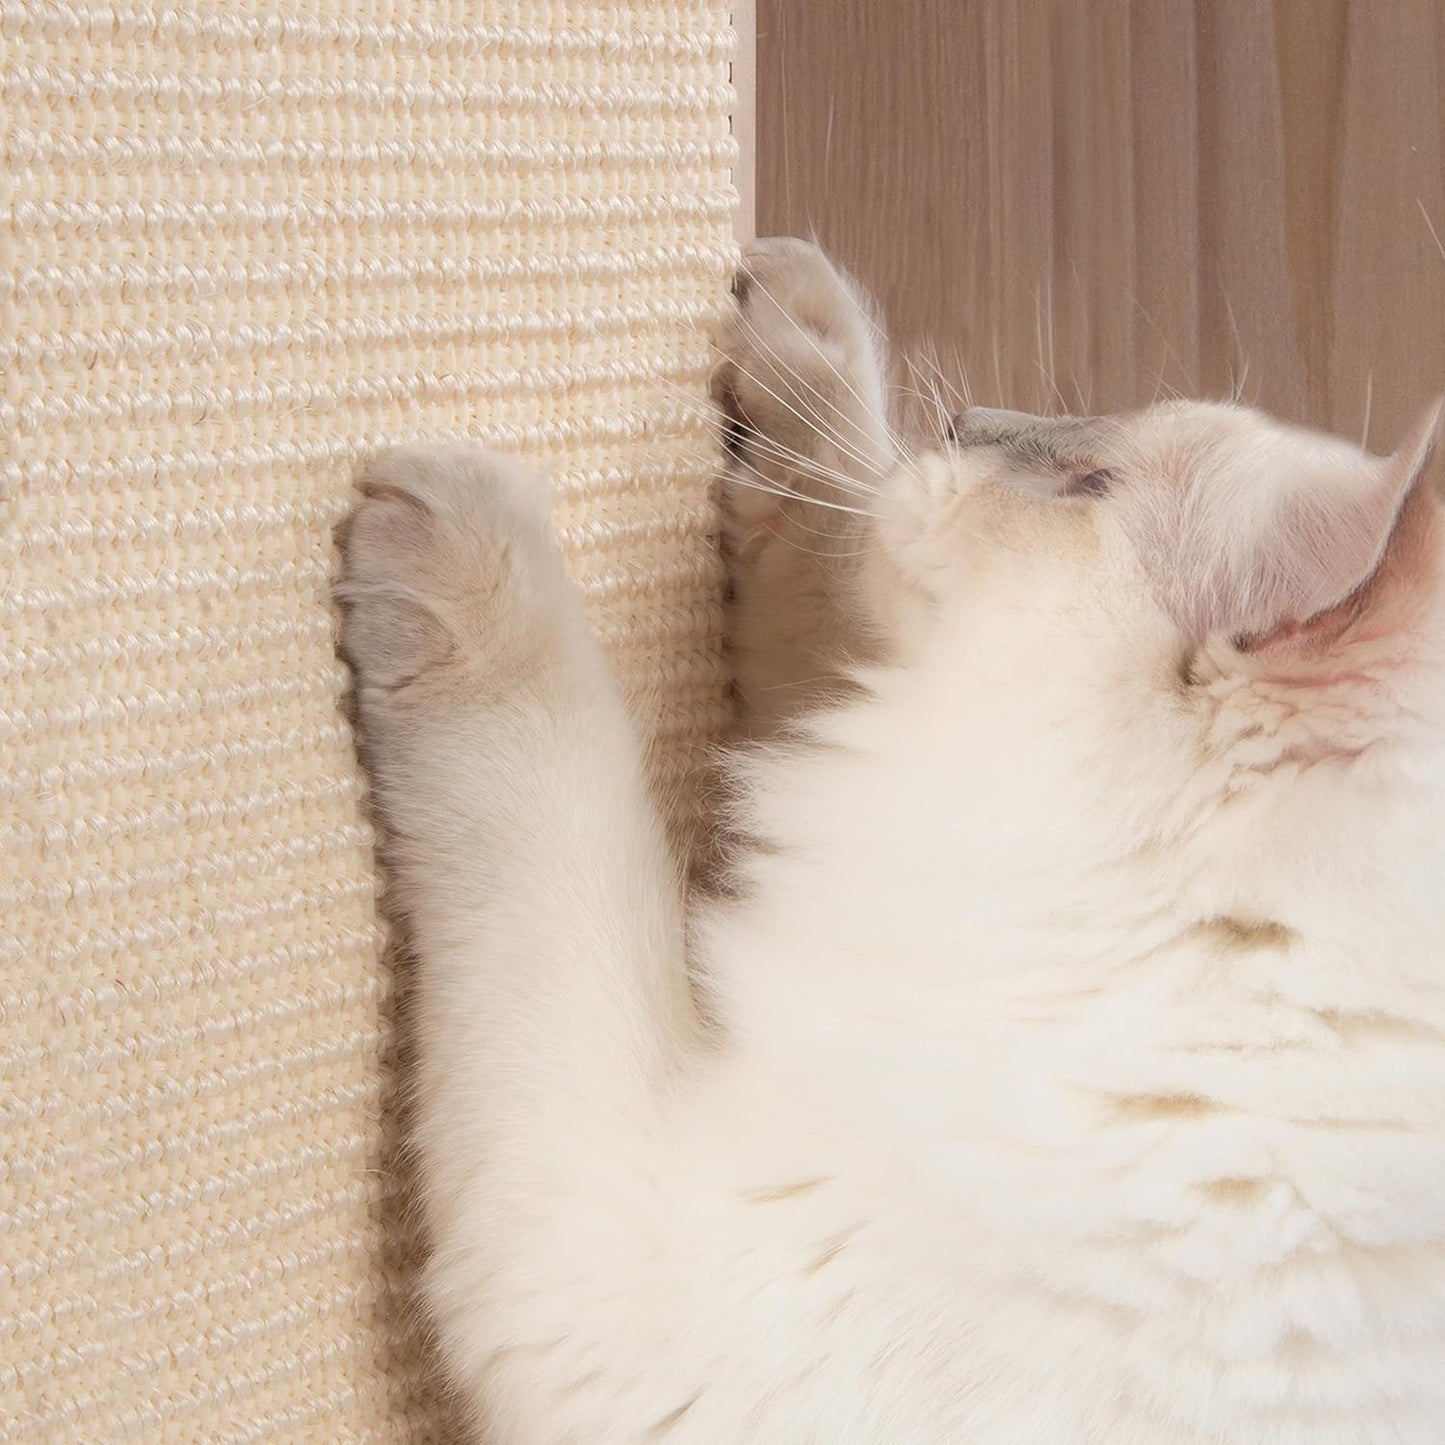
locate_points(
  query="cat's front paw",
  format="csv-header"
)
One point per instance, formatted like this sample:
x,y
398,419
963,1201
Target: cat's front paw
x,y
800,365
450,581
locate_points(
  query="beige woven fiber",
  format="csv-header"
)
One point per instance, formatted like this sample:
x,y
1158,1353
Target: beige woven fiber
x,y
241,246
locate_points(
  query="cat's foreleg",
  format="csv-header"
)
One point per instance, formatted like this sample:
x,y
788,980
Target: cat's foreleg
x,y
802,380
535,882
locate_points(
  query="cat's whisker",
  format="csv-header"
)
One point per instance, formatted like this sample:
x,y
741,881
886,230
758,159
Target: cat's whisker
x,y
761,442
1169,351
940,399
866,406
820,425
1237,392
812,341
1046,370
759,449
999,389
945,408
1166,389
795,682
763,451
1049,313
964,383
770,449
787,374
932,404
1430,226
741,477
957,401
831,554
827,534
812,421
1083,388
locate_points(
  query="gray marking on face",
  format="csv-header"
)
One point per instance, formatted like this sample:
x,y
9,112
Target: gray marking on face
x,y
1053,442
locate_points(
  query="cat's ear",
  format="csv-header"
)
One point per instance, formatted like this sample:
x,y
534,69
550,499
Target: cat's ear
x,y
1354,543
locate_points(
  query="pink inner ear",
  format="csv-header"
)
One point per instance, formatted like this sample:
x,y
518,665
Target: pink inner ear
x,y
1359,574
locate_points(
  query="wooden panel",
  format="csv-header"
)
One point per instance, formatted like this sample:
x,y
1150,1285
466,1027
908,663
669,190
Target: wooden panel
x,y
744,116
1083,205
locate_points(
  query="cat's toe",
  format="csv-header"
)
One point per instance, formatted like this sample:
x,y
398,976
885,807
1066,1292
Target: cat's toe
x,y
444,554
391,631
797,278
457,480
798,350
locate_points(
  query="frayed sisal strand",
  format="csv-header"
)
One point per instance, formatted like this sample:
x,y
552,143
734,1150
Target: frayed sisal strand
x,y
241,247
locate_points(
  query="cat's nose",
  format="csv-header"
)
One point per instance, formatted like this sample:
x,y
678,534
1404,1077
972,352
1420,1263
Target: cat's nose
x,y
977,425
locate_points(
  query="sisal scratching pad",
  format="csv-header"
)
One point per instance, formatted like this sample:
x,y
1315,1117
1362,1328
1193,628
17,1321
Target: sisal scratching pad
x,y
241,247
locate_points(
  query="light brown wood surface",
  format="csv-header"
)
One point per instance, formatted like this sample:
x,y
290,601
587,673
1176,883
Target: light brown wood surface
x,y
745,114
1084,203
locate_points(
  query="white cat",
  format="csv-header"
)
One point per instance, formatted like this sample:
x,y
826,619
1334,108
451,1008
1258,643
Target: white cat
x,y
1074,1068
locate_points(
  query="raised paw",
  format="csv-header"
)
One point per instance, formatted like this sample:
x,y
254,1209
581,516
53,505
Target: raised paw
x,y
449,576
800,368
801,382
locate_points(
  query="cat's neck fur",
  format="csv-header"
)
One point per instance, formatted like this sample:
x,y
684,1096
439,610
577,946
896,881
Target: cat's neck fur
x,y
913,885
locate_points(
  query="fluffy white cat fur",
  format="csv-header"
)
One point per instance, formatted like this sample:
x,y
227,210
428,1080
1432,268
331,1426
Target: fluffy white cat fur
x,y
1070,1060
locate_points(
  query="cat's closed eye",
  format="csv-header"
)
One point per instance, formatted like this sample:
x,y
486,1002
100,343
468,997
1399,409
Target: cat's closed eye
x,y
1090,484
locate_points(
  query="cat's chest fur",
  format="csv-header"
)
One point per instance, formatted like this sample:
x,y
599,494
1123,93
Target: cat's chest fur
x,y
1182,1228
1161,1159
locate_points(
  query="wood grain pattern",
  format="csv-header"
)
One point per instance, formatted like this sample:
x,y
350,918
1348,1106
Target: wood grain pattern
x,y
744,116
1083,205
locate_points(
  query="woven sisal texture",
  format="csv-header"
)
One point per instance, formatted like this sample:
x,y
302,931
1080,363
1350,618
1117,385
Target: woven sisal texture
x,y
241,246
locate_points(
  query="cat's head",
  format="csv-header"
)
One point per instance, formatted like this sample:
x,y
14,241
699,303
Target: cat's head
x,y
1111,564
